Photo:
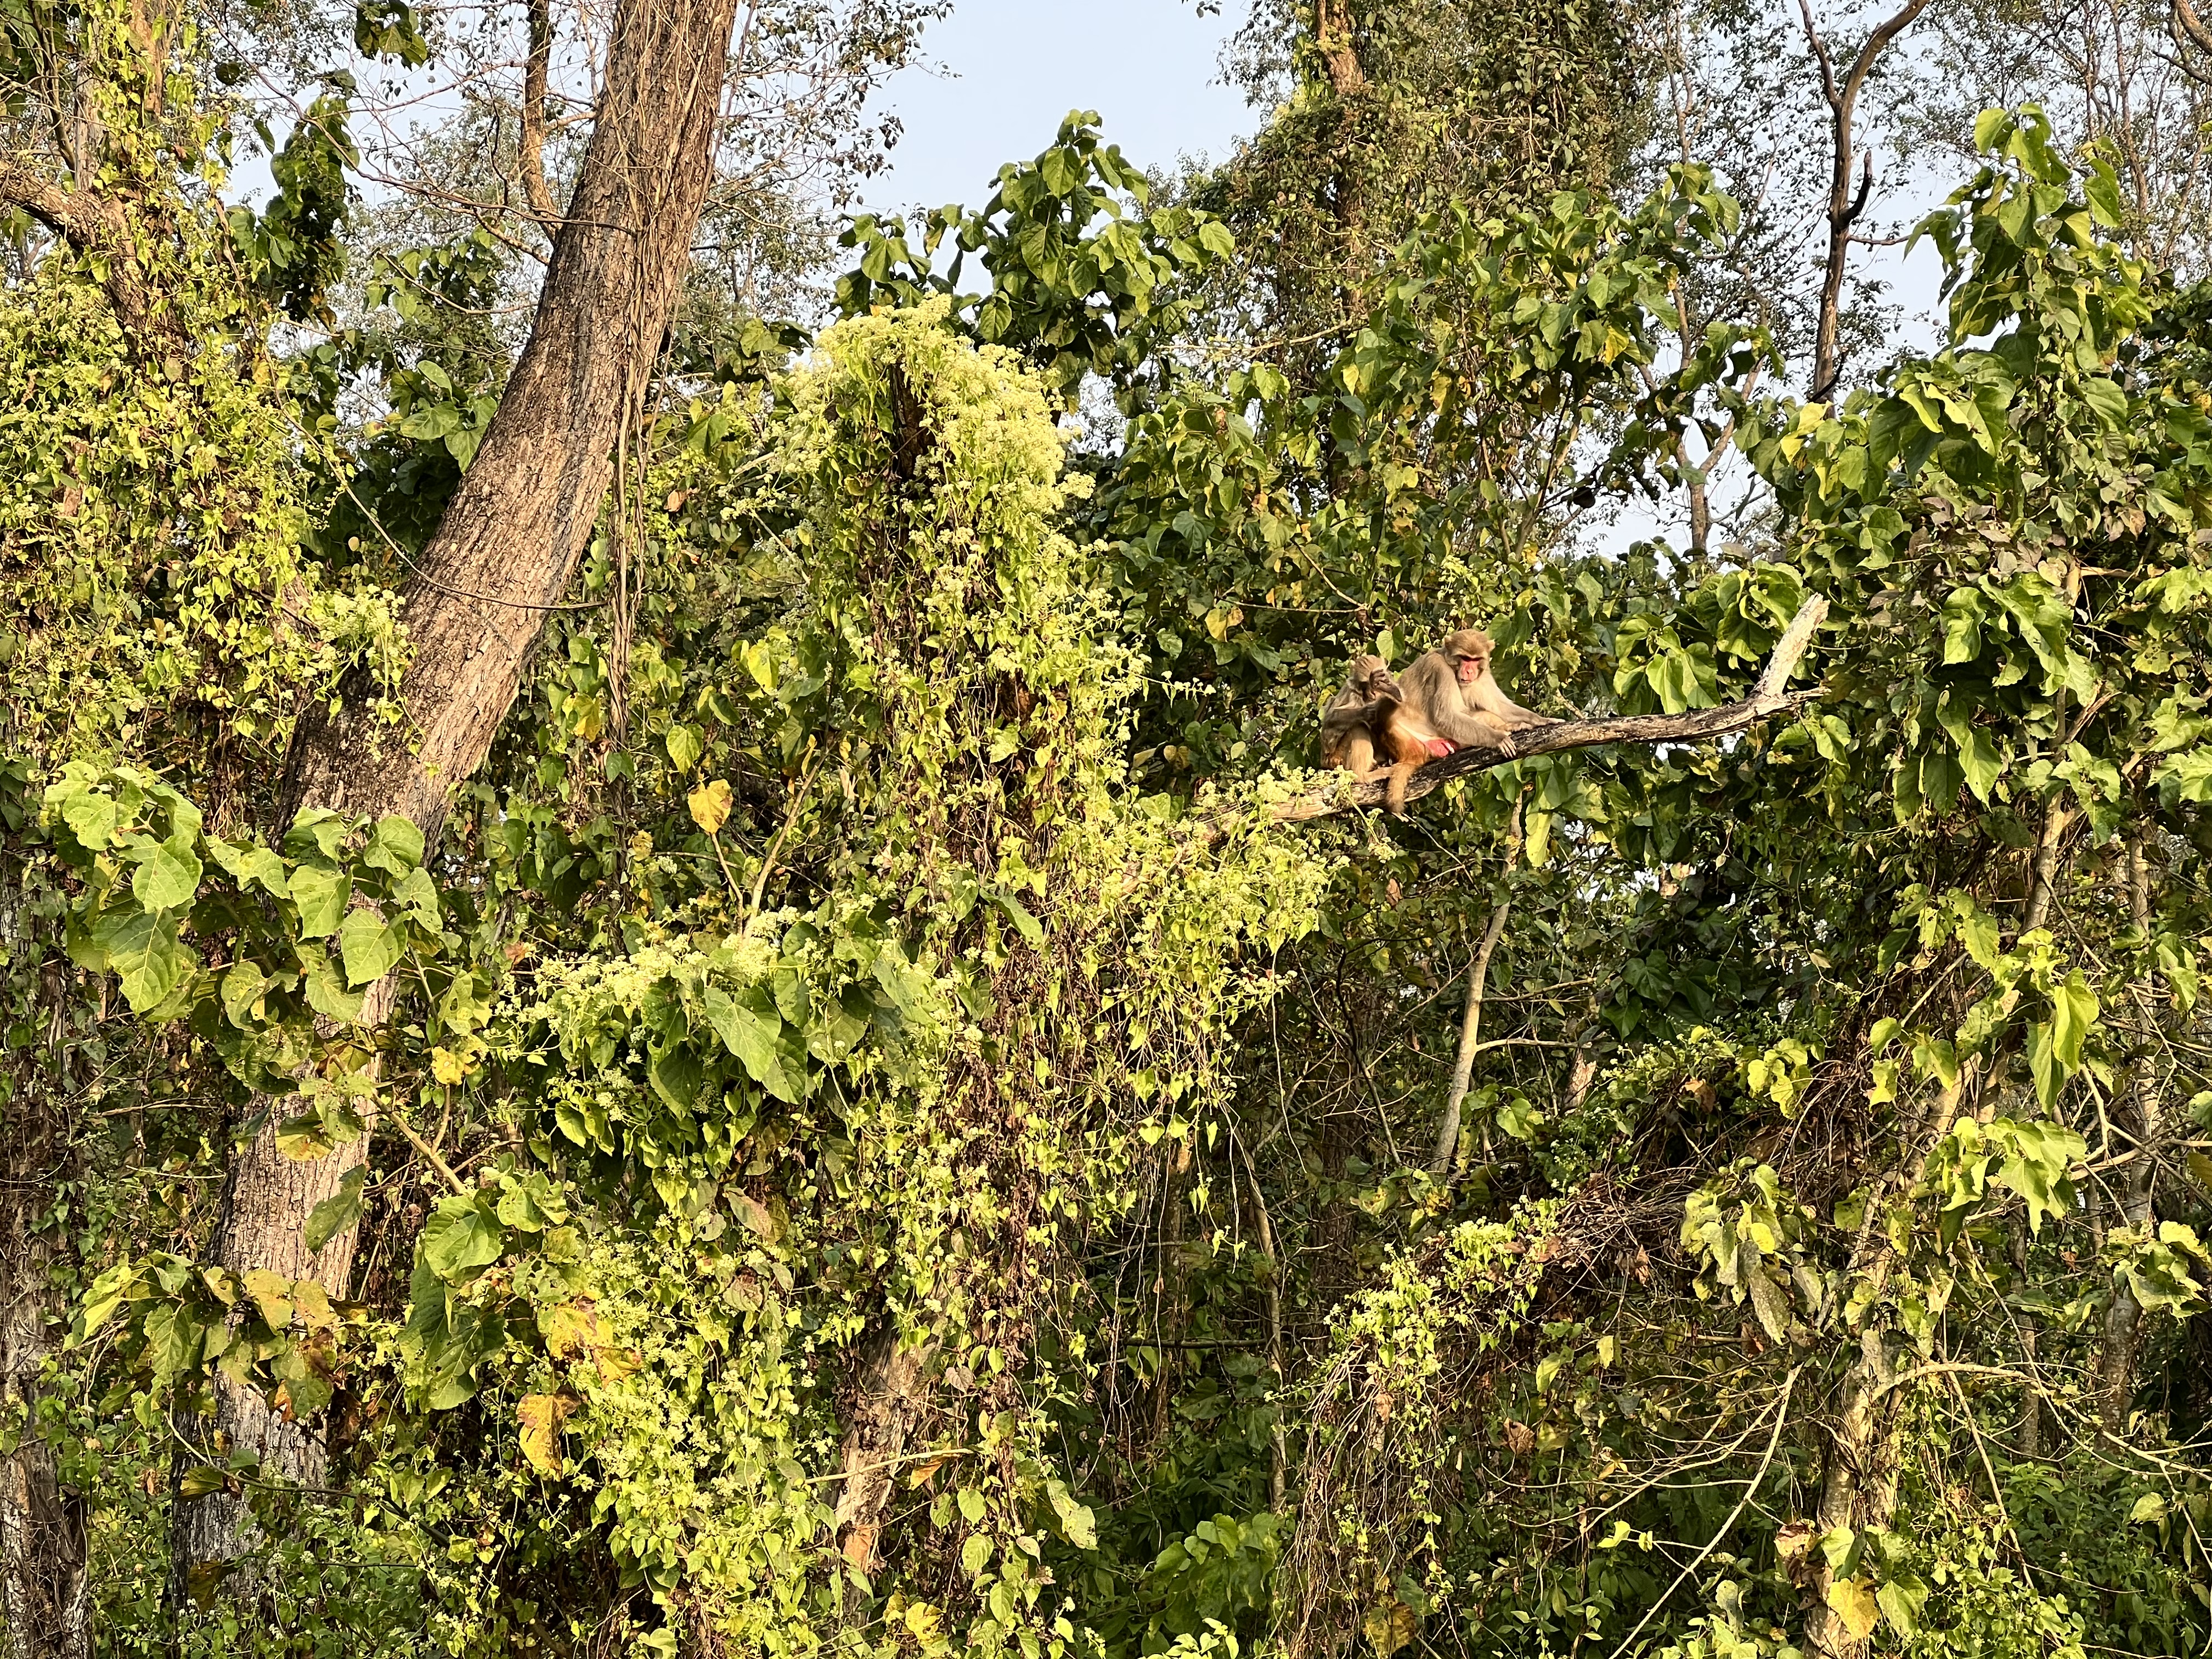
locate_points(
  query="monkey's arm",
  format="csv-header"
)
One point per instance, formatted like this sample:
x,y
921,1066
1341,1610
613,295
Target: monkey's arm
x,y
1488,696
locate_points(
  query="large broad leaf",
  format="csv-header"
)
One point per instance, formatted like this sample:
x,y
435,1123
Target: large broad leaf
x,y
168,875
750,1029
1855,1603
327,994
370,948
89,813
2074,1012
321,894
541,1415
144,950
396,847
1076,1521
460,1238
248,862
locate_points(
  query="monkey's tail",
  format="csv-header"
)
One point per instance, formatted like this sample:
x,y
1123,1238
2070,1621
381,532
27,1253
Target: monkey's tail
x,y
1394,792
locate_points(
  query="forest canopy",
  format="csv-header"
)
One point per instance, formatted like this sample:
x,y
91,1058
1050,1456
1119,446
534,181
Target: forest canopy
x,y
683,974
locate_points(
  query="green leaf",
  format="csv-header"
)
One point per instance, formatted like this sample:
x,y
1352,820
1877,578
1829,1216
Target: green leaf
x,y
370,947
272,1294
750,1029
460,1238
1770,1300
1030,929
684,747
1076,1521
202,1479
336,1214
144,950
90,814
321,894
975,1554
247,862
1900,1601
167,876
327,994
2074,1012
417,894
396,848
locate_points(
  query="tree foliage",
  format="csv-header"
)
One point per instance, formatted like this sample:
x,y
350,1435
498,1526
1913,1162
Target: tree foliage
x,y
869,1132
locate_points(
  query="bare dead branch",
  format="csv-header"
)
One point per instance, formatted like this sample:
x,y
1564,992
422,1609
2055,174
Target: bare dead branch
x,y
1844,210
1767,699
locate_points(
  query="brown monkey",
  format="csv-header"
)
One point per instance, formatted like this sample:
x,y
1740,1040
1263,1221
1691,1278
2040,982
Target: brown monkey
x,y
1368,721
1451,689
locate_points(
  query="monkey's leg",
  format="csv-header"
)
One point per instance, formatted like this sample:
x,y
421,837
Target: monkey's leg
x,y
1400,776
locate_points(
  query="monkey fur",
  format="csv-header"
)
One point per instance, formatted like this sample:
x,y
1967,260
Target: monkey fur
x,y
1368,722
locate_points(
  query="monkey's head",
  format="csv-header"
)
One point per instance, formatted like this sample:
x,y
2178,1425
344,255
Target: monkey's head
x,y
1366,671
1469,650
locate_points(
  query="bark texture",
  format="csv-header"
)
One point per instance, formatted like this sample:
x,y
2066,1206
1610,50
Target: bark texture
x,y
99,227
42,1539
44,1599
894,1389
504,553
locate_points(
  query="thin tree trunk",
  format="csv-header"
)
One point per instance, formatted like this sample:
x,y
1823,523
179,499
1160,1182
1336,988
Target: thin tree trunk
x,y
1858,1489
1844,207
894,1388
42,1533
502,555
1470,1023
1859,1479
44,1593
2139,1180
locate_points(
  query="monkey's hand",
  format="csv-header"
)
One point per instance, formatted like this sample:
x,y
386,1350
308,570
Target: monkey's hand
x,y
1506,747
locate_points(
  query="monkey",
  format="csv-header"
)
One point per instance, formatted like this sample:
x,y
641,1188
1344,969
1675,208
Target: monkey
x,y
1368,720
1451,690
1352,726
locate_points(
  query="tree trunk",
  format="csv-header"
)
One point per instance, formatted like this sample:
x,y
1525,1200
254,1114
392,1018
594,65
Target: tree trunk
x,y
2138,1181
501,559
893,1391
45,1597
1477,978
1858,1489
42,1537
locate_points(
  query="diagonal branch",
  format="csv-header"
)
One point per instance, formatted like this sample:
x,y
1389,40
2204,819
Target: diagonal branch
x,y
91,225
532,153
1768,698
2187,25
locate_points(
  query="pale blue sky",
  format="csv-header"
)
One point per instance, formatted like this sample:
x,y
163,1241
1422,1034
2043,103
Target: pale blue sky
x,y
1147,66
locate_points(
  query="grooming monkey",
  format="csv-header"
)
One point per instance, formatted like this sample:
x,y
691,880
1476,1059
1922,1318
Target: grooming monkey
x,y
1368,730
1450,700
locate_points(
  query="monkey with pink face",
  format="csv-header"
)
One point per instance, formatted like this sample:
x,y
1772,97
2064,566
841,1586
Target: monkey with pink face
x,y
1452,690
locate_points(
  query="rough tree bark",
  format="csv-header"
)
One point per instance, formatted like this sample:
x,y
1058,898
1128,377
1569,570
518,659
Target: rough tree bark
x,y
43,1589
101,227
501,557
